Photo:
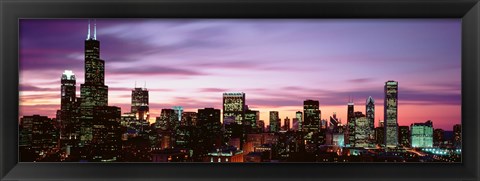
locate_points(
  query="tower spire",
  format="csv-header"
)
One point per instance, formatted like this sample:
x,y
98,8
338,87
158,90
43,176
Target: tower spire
x,y
88,35
95,29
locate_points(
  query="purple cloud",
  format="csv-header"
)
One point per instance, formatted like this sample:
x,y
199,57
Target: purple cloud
x,y
156,70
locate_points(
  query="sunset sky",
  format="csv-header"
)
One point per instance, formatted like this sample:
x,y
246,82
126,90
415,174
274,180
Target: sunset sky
x,y
277,63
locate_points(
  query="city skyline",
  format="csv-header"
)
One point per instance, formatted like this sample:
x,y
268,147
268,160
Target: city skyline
x,y
429,79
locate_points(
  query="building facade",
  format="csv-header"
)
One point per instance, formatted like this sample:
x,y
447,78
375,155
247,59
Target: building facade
x,y
404,136
391,113
234,107
370,113
274,122
422,134
139,103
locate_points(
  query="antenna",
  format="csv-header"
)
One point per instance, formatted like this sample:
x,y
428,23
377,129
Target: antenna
x,y
95,29
88,35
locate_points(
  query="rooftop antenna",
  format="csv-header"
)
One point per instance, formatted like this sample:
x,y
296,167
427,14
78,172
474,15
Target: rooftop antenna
x,y
95,29
88,35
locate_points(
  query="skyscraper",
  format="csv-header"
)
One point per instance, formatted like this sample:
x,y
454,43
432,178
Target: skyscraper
x,y
286,124
299,116
350,133
38,134
93,92
234,107
438,137
362,132
274,122
334,122
261,126
404,136
251,119
189,119
140,105
208,121
106,134
68,106
422,134
68,89
295,123
179,111
311,124
166,125
390,114
168,120
370,112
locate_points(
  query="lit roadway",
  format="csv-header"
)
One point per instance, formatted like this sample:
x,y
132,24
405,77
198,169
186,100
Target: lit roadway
x,y
414,151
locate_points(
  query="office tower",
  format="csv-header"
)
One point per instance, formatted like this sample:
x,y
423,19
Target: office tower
x,y
67,115
106,134
68,89
189,119
334,122
93,92
186,135
178,111
140,106
350,133
165,126
210,119
251,119
457,136
286,124
167,120
234,107
370,112
261,126
380,135
299,116
210,137
295,123
438,137
390,113
38,135
311,125
362,132
274,122
404,136
422,134
311,122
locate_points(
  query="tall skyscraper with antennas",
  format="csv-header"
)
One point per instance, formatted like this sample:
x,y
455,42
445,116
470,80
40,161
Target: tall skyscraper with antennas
x,y
93,92
139,105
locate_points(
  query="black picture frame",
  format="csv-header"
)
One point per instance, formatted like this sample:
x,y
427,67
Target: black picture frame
x,y
11,11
